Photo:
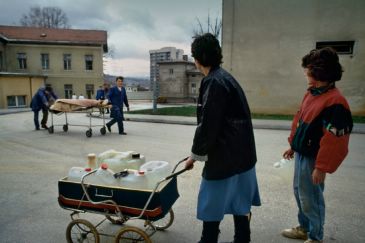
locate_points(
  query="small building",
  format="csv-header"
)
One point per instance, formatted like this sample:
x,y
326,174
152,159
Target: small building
x,y
160,55
179,81
70,60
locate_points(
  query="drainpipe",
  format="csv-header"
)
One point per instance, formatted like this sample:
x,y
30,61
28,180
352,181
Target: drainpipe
x,y
31,90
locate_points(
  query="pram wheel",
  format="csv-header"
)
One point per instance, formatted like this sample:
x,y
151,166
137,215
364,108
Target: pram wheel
x,y
165,222
80,230
116,220
50,129
89,133
65,128
132,234
103,131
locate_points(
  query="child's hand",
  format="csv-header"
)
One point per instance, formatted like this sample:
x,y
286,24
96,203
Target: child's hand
x,y
288,154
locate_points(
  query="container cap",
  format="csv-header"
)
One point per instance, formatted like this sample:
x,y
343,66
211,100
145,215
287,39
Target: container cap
x,y
136,155
104,166
88,169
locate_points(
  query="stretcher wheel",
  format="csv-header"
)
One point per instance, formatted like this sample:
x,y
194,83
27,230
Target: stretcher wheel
x,y
65,128
132,234
80,230
103,131
51,129
89,133
116,220
165,222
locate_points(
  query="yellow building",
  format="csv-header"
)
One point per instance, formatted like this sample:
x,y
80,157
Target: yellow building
x,y
71,61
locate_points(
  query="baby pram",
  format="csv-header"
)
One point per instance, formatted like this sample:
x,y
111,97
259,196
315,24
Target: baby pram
x,y
87,106
119,205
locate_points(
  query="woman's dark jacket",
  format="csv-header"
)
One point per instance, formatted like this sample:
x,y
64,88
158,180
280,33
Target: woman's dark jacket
x,y
224,131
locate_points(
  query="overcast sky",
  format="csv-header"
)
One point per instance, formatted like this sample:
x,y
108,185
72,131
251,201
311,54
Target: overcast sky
x,y
134,26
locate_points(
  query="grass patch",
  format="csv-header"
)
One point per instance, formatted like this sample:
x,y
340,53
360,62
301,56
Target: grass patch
x,y
191,111
169,111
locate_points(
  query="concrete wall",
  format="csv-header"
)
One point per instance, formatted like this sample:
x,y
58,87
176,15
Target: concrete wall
x,y
140,95
78,76
18,86
263,43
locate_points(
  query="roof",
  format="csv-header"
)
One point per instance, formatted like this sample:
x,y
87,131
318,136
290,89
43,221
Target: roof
x,y
22,34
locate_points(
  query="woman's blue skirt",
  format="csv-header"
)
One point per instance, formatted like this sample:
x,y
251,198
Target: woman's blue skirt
x,y
234,195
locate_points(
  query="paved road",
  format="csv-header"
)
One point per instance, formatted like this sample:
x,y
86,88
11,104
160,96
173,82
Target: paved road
x,y
32,162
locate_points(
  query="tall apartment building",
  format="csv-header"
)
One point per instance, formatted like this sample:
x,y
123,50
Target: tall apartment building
x,y
163,54
69,60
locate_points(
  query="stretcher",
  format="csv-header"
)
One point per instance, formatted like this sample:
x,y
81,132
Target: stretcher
x,y
118,205
87,106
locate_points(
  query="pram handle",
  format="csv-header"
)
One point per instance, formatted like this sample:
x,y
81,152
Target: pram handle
x,y
179,172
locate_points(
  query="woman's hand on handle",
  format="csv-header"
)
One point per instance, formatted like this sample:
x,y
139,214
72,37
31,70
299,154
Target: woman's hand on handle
x,y
189,163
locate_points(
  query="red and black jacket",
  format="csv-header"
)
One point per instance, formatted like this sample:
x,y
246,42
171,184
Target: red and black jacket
x,y
322,128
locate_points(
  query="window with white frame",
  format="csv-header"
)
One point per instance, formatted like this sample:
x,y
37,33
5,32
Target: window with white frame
x,y
68,91
15,101
22,60
89,90
45,61
1,60
67,61
89,62
193,88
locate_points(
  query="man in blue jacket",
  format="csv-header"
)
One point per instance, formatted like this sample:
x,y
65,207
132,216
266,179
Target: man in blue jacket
x,y
117,96
42,100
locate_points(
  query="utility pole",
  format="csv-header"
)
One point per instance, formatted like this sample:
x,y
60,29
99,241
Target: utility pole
x,y
155,94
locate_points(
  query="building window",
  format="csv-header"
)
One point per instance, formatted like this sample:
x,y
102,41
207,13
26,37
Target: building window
x,y
1,60
45,61
67,61
171,71
22,60
193,88
89,62
89,90
68,91
15,101
341,47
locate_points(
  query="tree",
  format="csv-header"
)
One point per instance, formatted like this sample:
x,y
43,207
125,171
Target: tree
x,y
213,27
46,17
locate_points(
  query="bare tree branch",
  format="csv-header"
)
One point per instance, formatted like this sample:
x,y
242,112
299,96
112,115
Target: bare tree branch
x,y
214,29
47,17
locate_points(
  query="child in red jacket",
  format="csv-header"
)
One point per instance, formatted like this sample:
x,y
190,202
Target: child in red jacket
x,y
319,139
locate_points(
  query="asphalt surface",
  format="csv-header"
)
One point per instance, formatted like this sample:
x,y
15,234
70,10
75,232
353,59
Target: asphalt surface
x,y
32,162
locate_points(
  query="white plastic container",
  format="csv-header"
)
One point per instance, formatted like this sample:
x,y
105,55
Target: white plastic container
x,y
119,161
285,169
76,173
104,176
134,180
156,171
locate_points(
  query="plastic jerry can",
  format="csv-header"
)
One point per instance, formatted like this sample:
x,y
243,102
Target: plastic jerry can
x,y
134,179
156,170
104,176
76,173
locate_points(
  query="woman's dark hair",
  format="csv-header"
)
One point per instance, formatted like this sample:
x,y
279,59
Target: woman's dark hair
x,y
206,49
119,77
323,65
